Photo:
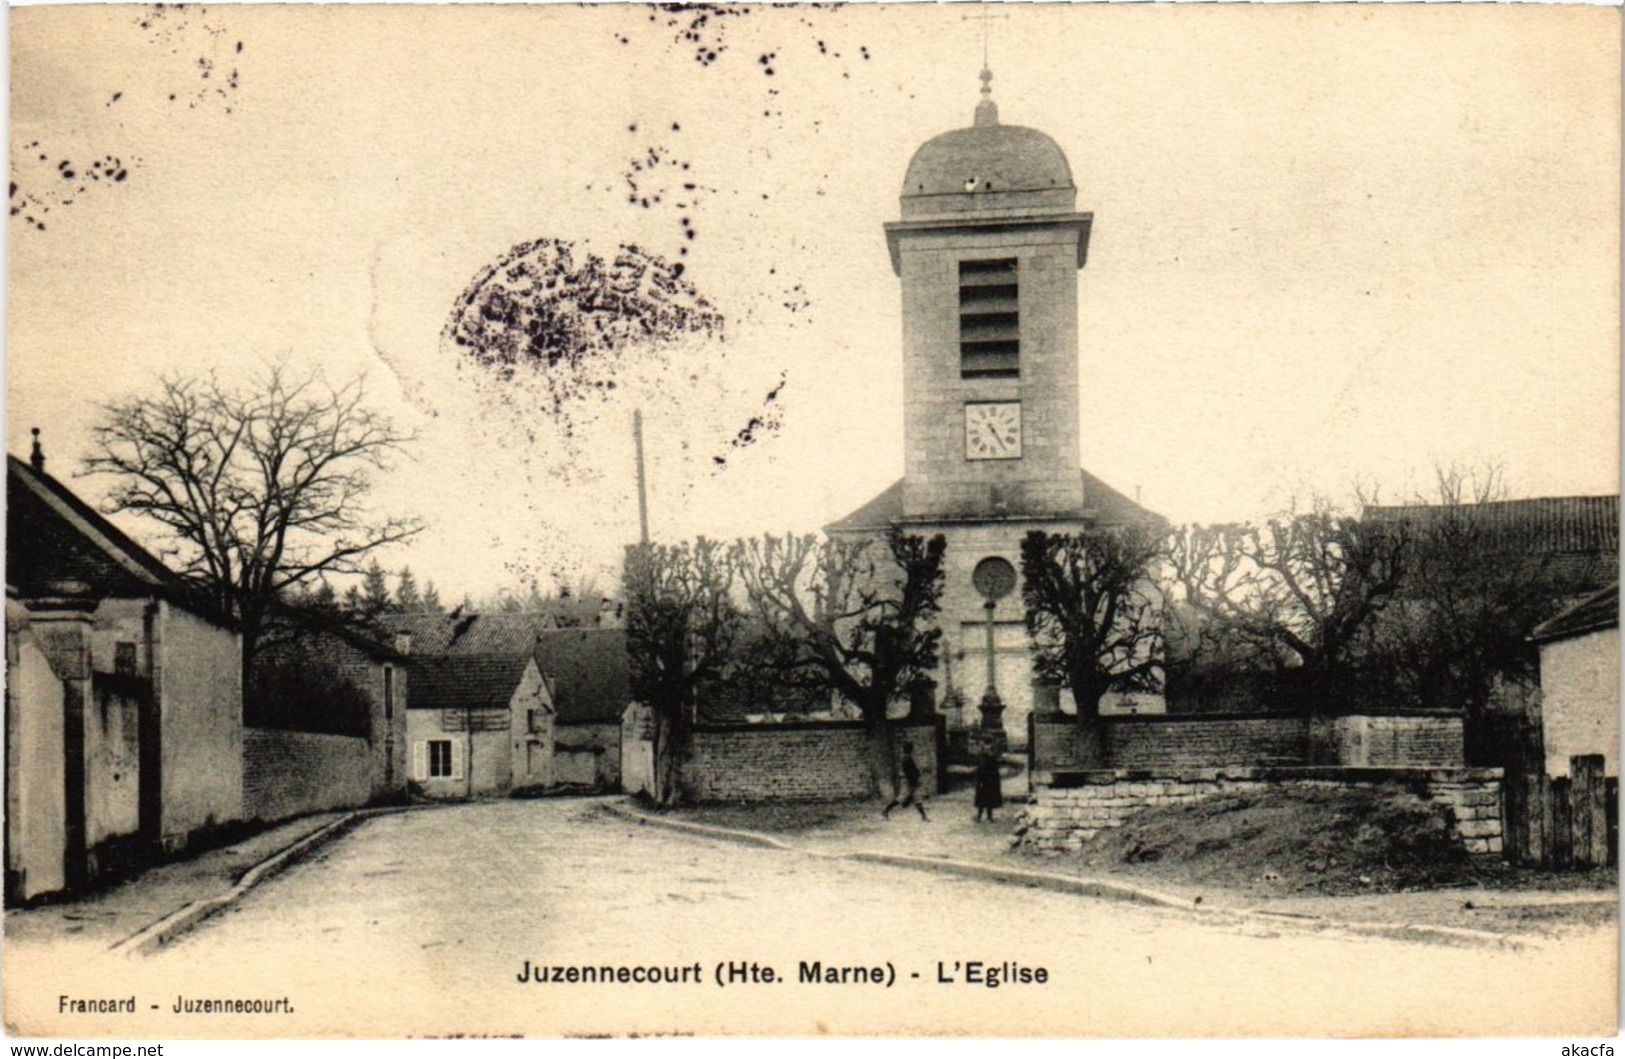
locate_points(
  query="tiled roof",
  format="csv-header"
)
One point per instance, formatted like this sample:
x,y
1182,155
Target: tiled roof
x,y
878,513
373,640
1101,503
456,682
470,634
1600,610
587,669
52,537
1544,526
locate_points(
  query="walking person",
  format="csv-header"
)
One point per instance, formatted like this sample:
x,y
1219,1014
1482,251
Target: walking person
x,y
989,786
911,785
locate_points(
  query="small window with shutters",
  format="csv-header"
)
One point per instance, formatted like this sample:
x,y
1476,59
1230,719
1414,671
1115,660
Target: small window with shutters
x,y
989,320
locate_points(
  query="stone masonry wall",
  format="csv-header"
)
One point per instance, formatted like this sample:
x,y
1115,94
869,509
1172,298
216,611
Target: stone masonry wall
x,y
1384,740
1185,743
1258,740
813,761
365,672
1064,817
291,773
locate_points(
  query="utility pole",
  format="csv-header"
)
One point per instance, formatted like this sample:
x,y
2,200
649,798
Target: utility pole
x,y
643,494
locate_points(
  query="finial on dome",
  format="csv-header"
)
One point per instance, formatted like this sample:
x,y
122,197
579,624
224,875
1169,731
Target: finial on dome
x,y
987,111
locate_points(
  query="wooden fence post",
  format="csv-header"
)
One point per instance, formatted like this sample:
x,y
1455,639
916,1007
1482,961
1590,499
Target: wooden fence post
x,y
1538,817
1515,842
1611,806
1561,838
1588,794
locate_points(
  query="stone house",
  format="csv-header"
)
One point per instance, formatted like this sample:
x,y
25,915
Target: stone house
x,y
1579,681
583,668
124,733
479,725
587,672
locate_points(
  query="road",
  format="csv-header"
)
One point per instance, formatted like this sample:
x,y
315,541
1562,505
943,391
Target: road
x,y
423,922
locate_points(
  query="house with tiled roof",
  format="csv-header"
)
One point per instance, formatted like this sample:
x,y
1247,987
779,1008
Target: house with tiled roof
x,y
468,633
1575,538
468,668
587,672
479,725
1579,681
124,729
509,633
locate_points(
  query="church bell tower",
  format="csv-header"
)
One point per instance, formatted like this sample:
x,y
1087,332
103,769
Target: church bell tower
x,y
988,251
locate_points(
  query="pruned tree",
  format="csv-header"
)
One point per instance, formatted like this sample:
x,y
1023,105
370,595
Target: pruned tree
x,y
1208,666
261,489
682,626
853,617
1301,591
1094,617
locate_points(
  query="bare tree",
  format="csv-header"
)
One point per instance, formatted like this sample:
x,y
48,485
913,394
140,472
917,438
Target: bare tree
x,y
1094,617
1301,590
1475,587
853,616
261,490
682,626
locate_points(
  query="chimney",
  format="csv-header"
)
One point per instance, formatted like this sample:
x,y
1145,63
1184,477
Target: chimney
x,y
36,458
403,643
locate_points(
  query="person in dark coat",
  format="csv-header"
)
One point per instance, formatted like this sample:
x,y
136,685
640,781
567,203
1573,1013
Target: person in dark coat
x,y
989,787
911,785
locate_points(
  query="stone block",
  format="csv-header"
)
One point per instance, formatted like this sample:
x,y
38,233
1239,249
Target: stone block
x,y
1478,828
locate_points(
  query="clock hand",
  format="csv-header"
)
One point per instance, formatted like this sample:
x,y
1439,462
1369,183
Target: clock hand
x,y
993,430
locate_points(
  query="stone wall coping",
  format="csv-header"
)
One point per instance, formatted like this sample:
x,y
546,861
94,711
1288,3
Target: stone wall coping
x,y
1062,779
1275,715
768,727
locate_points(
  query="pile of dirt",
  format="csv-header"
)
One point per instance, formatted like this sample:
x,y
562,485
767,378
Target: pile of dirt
x,y
1314,840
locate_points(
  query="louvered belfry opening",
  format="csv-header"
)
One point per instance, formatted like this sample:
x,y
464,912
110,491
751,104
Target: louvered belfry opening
x,y
989,320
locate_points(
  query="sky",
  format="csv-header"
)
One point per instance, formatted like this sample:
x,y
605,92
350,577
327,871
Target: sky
x,y
1331,245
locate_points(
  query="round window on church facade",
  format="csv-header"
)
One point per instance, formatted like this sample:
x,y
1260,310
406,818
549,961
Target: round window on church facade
x,y
994,578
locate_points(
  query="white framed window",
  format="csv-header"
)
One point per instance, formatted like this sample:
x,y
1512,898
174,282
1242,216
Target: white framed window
x,y
440,758
437,759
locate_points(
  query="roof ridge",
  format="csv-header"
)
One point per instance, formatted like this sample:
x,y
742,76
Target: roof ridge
x,y
114,542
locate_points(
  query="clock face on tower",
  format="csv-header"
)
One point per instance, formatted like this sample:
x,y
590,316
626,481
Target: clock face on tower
x,y
993,430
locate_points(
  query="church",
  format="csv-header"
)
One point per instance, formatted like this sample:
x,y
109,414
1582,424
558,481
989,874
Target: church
x,y
987,250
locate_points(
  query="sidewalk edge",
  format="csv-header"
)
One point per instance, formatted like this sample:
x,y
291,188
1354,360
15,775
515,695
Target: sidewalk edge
x,y
1108,891
183,919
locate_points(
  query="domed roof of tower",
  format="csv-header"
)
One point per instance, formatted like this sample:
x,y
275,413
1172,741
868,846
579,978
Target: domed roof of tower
x,y
988,159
